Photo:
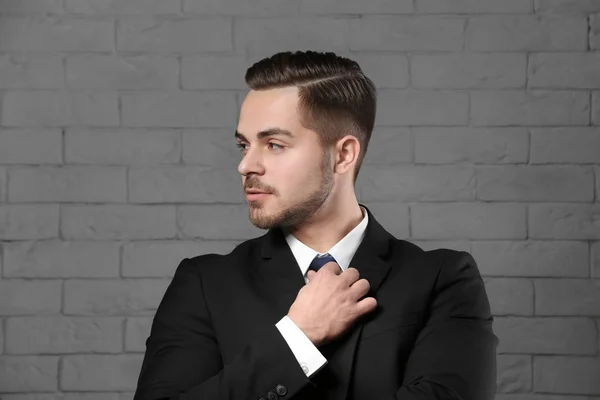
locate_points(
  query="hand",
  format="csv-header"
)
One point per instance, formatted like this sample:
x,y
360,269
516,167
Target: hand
x,y
329,304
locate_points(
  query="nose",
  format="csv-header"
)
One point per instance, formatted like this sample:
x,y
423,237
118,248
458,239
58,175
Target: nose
x,y
250,163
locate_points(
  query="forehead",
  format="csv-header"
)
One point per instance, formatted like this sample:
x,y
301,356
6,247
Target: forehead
x,y
273,108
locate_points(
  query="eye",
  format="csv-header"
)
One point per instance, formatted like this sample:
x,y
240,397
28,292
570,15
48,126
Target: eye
x,y
242,147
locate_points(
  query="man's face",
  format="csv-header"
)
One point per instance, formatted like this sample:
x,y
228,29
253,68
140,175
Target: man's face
x,y
294,170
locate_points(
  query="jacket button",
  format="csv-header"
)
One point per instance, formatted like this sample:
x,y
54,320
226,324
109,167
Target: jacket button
x,y
272,396
281,390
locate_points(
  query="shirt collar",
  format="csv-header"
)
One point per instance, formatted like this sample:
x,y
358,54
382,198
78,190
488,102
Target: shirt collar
x,y
342,251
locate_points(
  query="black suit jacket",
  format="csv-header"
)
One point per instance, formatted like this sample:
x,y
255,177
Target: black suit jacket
x,y
214,336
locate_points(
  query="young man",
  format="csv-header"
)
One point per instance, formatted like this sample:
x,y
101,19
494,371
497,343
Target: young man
x,y
327,304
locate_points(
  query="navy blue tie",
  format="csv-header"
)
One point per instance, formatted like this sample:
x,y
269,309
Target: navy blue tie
x,y
318,262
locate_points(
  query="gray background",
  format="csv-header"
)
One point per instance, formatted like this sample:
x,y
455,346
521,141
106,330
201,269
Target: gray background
x,y
117,160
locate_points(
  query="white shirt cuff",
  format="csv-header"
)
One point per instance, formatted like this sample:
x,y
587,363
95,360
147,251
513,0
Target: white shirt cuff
x,y
308,356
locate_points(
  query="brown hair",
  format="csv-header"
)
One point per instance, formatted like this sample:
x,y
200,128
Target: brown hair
x,y
335,96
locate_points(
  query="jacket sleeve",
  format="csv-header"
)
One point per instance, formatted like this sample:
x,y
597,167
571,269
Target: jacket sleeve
x,y
182,358
454,356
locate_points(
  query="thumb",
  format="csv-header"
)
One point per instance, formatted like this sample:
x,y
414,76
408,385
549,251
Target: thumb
x,y
310,274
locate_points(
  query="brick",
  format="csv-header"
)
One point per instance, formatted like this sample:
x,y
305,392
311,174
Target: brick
x,y
28,373
513,373
106,222
137,331
174,35
470,145
179,109
267,8
215,222
66,396
577,297
91,71
564,374
473,6
546,335
112,297
120,7
16,298
564,71
462,245
19,71
404,33
561,221
509,296
57,335
389,146
67,184
9,7
58,108
356,7
3,179
468,221
415,183
527,33
180,185
597,173
533,396
538,108
53,33
574,145
396,217
282,34
161,258
422,107
535,183
60,259
387,70
28,221
595,31
122,146
16,148
211,148
567,6
596,260
468,71
532,258
598,328
100,372
214,71
1,336
595,108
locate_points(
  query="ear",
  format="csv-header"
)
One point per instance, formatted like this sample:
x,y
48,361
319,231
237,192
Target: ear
x,y
347,151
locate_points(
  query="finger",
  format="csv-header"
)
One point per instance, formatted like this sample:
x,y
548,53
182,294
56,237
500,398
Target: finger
x,y
360,288
310,273
366,305
334,267
350,275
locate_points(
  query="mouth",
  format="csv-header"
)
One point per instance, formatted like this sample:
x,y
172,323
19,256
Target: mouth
x,y
256,196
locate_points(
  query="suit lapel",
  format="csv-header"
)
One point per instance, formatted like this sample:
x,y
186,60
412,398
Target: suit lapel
x,y
282,278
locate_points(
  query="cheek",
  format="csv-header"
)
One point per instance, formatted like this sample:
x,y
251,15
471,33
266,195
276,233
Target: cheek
x,y
294,175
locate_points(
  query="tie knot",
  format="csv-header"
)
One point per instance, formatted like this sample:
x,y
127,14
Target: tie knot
x,y
318,262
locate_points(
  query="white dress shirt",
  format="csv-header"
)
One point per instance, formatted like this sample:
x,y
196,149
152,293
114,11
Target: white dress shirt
x,y
309,357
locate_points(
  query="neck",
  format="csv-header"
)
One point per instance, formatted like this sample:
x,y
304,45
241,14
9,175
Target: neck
x,y
329,225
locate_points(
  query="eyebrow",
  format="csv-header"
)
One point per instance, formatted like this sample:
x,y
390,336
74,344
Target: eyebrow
x,y
266,133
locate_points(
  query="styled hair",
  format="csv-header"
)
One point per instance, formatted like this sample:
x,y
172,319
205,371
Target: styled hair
x,y
335,96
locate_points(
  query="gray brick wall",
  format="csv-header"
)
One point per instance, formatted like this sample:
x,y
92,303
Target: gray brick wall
x,y
117,161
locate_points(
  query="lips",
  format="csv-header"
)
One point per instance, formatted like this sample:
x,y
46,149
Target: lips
x,y
255,192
